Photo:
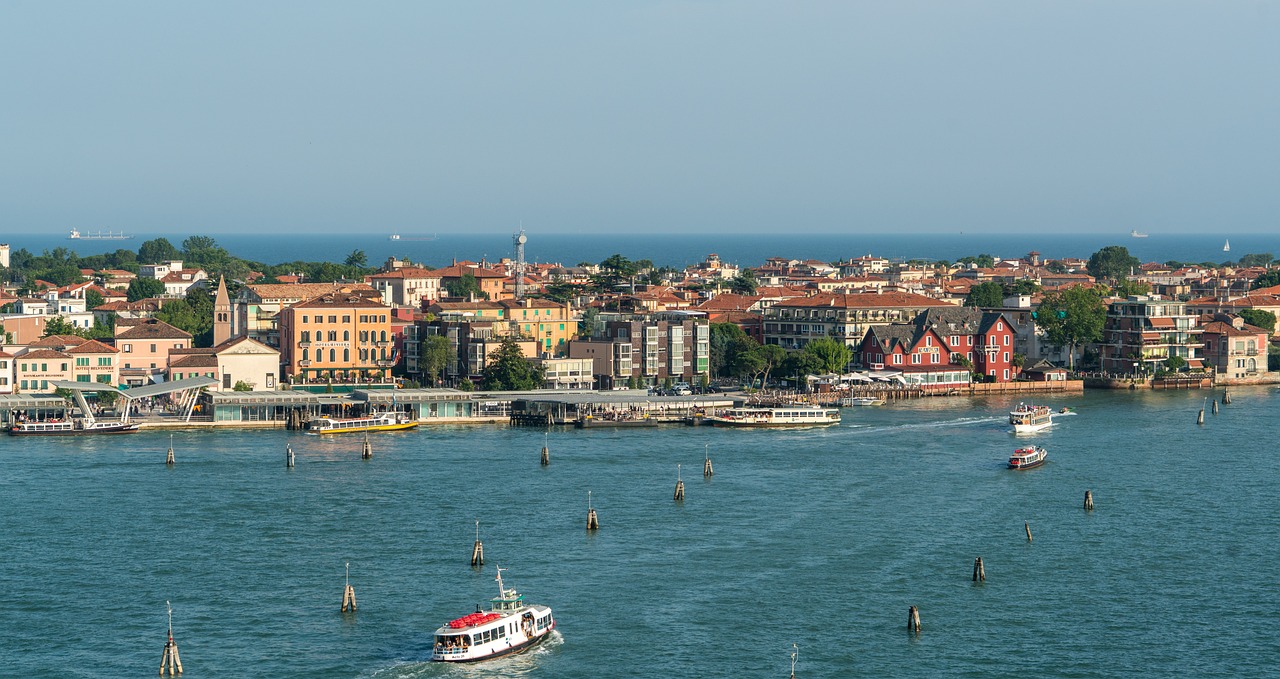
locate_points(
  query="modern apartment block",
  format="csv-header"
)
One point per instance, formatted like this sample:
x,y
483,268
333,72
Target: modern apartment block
x,y
1144,331
647,349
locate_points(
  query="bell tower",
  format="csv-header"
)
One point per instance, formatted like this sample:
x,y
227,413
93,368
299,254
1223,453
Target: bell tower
x,y
221,314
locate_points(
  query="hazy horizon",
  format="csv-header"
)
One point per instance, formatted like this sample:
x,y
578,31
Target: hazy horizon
x,y
666,117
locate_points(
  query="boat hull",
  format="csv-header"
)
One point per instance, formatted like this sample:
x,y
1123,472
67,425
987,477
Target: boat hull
x,y
1030,428
512,650
717,422
1029,465
375,427
123,429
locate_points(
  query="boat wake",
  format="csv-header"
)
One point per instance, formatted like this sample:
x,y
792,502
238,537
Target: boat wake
x,y
518,665
958,422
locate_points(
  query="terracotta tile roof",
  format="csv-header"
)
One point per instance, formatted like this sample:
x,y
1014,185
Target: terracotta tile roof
x,y
93,347
59,341
300,291
45,353
459,270
194,361
729,302
344,298
151,328
1222,328
408,272
864,300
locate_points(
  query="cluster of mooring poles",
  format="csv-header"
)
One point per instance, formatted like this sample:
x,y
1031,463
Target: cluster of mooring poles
x,y
1226,401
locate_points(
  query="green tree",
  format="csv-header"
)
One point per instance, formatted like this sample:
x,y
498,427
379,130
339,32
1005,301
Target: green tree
x,y
93,299
1071,318
1128,288
1263,259
57,325
744,358
772,356
1112,263
241,385
465,384
179,314
1056,267
143,288
434,358
614,271
465,286
1022,286
722,337
985,295
157,250
357,259
983,261
744,283
799,364
509,370
1260,318
1268,279
834,354
1175,363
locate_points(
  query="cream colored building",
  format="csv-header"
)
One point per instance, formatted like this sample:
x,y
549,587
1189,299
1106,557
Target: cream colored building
x,y
232,362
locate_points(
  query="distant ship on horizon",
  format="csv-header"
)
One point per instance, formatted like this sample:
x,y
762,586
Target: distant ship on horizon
x,y
1137,234
396,236
98,235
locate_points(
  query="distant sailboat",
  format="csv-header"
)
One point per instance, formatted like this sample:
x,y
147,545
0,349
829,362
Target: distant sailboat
x,y
1137,234
1226,247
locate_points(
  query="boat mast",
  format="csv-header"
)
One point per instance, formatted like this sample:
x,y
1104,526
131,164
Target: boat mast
x,y
502,593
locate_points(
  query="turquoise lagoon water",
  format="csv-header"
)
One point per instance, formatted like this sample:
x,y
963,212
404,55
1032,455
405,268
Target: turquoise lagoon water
x,y
819,537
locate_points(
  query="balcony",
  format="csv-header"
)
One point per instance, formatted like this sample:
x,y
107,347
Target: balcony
x,y
1251,352
304,345
382,343
387,363
304,364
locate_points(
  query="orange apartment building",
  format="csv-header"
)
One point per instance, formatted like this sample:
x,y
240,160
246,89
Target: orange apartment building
x,y
339,335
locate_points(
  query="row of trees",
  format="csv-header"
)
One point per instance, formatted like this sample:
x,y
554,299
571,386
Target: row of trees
x,y
735,354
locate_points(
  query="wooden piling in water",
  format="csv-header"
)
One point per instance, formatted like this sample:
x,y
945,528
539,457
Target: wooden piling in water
x,y
1226,398
169,458
1088,500
1215,406
979,571
288,456
546,456
169,661
366,452
348,594
707,471
913,620
593,522
679,496
1027,525
477,551
1200,417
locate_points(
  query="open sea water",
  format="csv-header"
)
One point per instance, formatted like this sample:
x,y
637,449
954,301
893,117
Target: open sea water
x,y
681,250
818,537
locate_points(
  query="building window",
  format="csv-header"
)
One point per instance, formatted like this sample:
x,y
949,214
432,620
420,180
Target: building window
x,y
126,348
1006,357
1006,340
346,335
304,319
153,348
333,355
915,359
346,319
333,319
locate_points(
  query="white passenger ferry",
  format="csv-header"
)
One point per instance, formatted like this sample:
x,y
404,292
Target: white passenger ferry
x,y
380,422
1026,458
782,416
71,428
510,626
1026,418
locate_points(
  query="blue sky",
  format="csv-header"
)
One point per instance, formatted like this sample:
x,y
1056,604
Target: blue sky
x,y
601,117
